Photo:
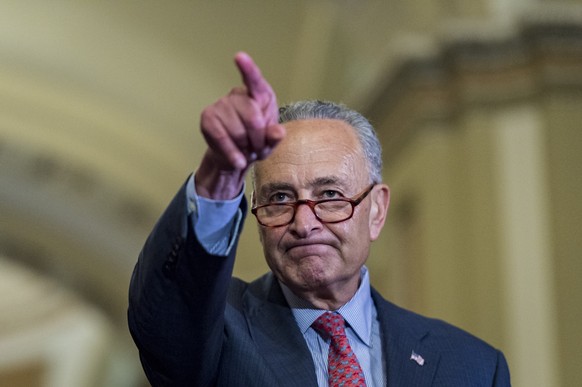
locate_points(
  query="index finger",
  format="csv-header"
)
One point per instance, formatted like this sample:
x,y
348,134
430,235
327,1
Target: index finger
x,y
252,77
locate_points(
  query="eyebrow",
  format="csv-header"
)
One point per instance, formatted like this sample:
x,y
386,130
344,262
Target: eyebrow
x,y
276,186
318,182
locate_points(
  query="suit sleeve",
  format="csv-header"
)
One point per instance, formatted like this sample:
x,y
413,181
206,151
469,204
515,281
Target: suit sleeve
x,y
177,299
502,378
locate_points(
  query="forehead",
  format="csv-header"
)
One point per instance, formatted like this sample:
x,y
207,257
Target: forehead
x,y
313,150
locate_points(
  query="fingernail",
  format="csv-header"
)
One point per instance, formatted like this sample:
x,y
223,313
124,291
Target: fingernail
x,y
240,162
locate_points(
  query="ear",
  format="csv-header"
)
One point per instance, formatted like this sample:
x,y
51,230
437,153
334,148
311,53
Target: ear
x,y
253,203
380,196
253,198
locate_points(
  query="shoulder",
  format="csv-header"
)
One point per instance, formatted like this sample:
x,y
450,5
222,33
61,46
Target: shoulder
x,y
462,358
431,333
259,290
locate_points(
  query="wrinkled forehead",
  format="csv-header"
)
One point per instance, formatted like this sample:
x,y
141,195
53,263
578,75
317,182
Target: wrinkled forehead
x,y
314,149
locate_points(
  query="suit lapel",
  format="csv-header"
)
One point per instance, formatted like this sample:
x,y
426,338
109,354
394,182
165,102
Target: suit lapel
x,y
274,330
282,346
407,361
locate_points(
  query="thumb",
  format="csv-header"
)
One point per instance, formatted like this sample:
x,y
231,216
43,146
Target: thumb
x,y
274,134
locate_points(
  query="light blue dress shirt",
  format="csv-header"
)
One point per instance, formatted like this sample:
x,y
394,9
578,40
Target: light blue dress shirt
x,y
362,330
217,222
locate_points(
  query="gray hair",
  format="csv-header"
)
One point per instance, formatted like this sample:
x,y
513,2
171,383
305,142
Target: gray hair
x,y
315,109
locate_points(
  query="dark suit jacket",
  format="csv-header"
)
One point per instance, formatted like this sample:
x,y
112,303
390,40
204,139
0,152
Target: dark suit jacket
x,y
194,325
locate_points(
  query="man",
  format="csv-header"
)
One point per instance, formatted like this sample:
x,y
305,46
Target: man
x,y
319,201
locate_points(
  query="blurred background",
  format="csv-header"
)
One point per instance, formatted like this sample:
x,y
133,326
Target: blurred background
x,y
477,103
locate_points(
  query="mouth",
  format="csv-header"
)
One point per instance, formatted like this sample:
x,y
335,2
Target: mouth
x,y
298,250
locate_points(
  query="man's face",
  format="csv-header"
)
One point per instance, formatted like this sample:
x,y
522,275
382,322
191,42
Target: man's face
x,y
318,159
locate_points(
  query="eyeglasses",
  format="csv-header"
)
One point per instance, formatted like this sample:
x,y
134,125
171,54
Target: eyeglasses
x,y
326,210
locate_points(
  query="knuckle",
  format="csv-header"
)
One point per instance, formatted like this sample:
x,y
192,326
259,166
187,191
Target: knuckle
x,y
239,90
254,119
207,120
254,123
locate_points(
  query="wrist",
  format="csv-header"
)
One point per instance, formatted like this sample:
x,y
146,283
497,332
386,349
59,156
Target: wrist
x,y
213,182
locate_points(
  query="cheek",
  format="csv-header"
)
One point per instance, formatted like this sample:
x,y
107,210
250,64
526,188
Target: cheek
x,y
269,238
355,236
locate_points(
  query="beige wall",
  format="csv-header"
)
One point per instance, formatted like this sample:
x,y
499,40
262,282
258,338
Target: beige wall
x,y
484,163
564,142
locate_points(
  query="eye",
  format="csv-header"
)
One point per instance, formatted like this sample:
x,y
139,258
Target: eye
x,y
331,194
279,197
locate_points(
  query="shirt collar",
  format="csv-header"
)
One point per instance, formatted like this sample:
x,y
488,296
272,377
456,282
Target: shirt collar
x,y
357,311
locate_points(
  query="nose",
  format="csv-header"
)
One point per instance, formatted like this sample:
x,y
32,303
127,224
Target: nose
x,y
304,221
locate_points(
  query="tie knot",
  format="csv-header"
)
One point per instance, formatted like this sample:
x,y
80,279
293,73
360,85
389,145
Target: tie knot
x,y
330,324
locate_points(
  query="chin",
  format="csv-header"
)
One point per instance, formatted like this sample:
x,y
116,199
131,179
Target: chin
x,y
313,277
309,272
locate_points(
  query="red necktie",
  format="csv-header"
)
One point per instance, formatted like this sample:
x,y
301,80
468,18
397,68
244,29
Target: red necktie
x,y
342,367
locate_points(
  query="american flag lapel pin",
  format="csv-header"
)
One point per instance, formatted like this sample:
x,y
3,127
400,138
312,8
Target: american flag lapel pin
x,y
417,358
